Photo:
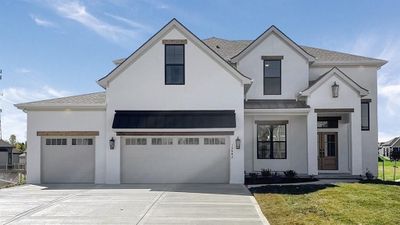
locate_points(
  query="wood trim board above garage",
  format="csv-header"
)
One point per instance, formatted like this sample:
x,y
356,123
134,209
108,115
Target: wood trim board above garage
x,y
67,133
200,133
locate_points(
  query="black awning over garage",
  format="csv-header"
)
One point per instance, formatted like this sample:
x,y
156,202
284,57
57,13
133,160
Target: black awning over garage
x,y
174,119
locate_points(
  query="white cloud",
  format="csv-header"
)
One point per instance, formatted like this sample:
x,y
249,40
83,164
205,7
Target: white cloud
x,y
131,23
23,70
76,11
14,120
42,22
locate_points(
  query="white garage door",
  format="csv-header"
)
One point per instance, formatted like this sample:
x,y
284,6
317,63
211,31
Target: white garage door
x,y
68,160
175,160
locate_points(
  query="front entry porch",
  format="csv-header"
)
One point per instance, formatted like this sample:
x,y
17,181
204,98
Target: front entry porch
x,y
334,143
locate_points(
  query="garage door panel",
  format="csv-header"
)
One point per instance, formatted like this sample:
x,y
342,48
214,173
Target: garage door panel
x,y
67,163
175,163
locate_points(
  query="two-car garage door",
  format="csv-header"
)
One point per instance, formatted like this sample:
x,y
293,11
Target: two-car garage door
x,y
68,160
175,159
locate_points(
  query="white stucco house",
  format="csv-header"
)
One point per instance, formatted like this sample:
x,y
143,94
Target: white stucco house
x,y
184,110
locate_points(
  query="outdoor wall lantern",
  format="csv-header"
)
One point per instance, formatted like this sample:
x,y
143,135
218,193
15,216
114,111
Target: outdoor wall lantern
x,y
112,143
335,90
237,143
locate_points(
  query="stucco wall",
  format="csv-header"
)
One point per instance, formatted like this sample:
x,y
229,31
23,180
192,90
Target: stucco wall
x,y
64,121
367,78
208,86
294,69
296,145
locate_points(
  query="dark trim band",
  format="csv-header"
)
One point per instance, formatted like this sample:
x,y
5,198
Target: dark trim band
x,y
275,57
344,110
200,133
67,133
271,122
366,100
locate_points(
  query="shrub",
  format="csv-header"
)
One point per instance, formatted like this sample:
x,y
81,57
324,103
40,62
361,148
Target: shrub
x,y
266,172
253,175
290,173
369,175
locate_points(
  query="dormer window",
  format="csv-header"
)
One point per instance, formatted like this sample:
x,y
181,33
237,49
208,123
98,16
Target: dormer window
x,y
272,75
174,64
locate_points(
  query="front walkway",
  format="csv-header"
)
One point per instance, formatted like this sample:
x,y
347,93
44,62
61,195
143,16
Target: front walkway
x,y
129,204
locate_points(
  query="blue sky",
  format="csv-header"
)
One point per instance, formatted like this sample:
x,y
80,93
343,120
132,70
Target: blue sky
x,y
57,48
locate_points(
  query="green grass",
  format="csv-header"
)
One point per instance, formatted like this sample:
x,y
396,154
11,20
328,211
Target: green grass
x,y
389,172
330,204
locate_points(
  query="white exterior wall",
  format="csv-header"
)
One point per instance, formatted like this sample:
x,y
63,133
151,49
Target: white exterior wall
x,y
64,121
294,67
367,78
296,145
208,86
348,98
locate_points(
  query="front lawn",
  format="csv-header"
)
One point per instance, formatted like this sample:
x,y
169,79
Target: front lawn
x,y
389,172
341,203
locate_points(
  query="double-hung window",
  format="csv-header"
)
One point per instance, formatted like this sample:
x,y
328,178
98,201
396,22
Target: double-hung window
x,y
175,64
365,121
271,140
272,75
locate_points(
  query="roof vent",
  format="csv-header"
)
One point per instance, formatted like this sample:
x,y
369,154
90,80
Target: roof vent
x,y
218,47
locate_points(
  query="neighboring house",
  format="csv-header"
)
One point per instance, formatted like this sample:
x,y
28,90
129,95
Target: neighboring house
x,y
184,110
8,155
386,148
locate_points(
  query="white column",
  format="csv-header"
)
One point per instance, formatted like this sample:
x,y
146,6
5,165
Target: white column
x,y
237,155
312,150
355,139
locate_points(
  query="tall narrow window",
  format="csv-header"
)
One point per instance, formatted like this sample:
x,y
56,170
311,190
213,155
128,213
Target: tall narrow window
x,y
272,77
271,141
365,115
174,64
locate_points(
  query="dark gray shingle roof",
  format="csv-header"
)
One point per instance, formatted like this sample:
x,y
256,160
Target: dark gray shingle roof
x,y
227,49
275,104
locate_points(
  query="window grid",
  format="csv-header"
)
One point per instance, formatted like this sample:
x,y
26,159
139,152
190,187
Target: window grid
x,y
188,141
271,141
272,69
82,141
136,141
161,141
214,141
56,141
174,64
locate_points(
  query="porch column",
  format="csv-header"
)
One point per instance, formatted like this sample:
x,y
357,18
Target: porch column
x,y
355,139
312,150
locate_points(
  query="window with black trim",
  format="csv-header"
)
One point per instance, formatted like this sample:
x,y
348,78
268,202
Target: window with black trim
x,y
328,122
272,77
365,116
174,64
271,141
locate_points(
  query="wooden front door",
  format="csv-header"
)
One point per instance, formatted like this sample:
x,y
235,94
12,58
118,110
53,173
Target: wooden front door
x,y
328,151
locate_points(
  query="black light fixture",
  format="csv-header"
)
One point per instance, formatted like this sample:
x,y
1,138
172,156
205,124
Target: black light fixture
x,y
237,141
112,143
335,90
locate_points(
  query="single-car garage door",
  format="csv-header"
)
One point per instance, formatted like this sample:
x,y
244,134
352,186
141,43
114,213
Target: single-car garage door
x,y
68,160
175,159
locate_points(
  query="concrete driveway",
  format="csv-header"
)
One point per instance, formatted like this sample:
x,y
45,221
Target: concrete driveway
x,y
129,204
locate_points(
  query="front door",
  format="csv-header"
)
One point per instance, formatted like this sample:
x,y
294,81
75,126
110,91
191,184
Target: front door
x,y
328,151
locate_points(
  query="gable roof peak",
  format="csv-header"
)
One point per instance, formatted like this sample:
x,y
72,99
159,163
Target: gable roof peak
x,y
174,23
264,35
